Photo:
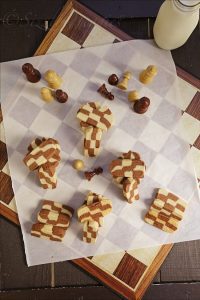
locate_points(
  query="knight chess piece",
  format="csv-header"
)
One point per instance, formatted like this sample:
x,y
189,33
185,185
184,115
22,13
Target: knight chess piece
x,y
141,106
123,84
53,79
147,75
32,74
104,92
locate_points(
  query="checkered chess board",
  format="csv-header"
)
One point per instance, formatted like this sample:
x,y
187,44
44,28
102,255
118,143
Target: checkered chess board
x,y
143,263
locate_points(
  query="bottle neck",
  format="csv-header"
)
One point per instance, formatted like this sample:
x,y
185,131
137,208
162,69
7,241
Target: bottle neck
x,y
187,6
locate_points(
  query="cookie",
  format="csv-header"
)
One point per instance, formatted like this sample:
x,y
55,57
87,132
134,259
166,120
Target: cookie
x,y
57,207
92,141
90,231
127,168
166,211
48,232
130,190
55,218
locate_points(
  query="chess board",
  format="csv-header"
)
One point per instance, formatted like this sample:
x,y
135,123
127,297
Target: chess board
x,y
141,264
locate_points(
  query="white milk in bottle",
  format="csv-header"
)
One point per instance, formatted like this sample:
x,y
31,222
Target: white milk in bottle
x,y
175,22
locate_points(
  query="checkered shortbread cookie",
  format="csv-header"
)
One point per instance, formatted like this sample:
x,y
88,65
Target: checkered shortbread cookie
x,y
52,221
166,211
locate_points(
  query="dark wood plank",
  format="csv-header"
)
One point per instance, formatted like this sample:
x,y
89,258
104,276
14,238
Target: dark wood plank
x,y
173,291
124,8
29,10
14,272
19,41
70,293
48,9
68,273
137,28
183,263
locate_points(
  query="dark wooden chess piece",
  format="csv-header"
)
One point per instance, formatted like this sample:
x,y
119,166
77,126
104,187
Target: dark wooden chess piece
x,y
104,92
141,106
89,175
113,79
32,74
61,96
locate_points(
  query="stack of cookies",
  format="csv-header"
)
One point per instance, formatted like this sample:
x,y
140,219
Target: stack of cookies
x,y
53,221
127,171
94,120
166,211
91,214
44,156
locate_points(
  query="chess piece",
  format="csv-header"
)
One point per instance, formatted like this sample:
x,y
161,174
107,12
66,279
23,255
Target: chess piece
x,y
133,96
104,92
146,76
46,94
141,106
32,74
53,79
113,79
78,164
124,83
97,171
61,96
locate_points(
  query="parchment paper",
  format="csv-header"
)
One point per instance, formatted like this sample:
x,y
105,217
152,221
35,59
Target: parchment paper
x,y
156,135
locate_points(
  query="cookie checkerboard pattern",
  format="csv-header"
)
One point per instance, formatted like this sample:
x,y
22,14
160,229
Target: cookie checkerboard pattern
x,y
98,35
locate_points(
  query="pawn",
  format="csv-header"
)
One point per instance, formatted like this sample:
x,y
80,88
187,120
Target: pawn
x,y
146,76
124,83
53,79
32,74
133,96
46,94
141,106
61,96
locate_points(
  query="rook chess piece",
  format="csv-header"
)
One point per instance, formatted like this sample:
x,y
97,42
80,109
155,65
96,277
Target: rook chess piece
x,y
141,106
46,94
61,96
124,83
146,76
53,79
32,74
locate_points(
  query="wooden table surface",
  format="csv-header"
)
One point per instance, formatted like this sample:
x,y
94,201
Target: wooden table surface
x,y
23,25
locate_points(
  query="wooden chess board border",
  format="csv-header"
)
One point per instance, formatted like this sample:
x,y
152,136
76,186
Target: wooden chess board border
x,y
86,263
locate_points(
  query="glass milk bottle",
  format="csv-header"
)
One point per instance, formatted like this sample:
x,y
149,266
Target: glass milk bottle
x,y
175,22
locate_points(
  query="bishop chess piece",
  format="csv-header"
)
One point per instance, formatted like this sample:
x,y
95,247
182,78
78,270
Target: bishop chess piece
x,y
53,79
123,84
146,76
32,74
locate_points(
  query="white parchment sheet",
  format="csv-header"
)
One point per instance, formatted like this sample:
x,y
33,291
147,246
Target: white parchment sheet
x,y
155,135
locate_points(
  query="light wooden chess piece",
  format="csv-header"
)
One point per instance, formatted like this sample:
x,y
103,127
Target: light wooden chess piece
x,y
133,96
124,83
147,75
46,94
53,79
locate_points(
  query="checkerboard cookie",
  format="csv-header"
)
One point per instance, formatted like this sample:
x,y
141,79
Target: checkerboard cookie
x,y
166,211
52,221
90,231
44,156
91,214
94,119
127,171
